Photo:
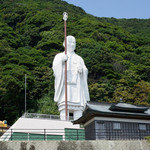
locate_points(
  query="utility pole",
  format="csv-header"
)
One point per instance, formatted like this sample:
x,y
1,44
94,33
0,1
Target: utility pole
x,y
25,94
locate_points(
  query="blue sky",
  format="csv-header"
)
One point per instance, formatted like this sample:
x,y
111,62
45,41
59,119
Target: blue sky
x,y
115,8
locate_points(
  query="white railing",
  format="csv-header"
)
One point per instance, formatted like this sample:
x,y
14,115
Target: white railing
x,y
44,116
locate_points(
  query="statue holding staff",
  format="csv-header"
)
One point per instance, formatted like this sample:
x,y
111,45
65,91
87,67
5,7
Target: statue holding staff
x,y
77,87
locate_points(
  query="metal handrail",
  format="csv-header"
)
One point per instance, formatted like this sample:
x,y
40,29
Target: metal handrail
x,y
44,116
73,134
43,134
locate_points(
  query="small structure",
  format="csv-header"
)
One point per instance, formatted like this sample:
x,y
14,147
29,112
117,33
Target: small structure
x,y
115,121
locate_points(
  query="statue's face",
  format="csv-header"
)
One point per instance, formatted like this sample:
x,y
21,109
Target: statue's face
x,y
71,43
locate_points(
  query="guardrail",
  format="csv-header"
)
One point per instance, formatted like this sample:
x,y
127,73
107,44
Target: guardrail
x,y
43,134
44,116
71,134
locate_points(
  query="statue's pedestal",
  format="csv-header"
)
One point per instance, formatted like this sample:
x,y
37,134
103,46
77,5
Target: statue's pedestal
x,y
74,111
76,114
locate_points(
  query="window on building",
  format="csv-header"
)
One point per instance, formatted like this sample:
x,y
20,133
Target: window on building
x,y
142,126
116,125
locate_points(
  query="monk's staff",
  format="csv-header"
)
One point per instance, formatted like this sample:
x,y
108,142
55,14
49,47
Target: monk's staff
x,y
65,17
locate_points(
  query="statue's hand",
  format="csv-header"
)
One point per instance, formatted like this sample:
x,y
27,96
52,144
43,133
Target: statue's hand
x,y
64,58
80,69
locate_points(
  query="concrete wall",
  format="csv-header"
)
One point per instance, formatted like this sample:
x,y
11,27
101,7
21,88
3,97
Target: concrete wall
x,y
75,145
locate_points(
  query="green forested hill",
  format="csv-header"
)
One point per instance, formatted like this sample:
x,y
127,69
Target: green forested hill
x,y
140,27
31,34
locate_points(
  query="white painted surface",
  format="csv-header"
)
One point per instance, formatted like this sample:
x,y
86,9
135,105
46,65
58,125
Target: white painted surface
x,y
55,125
77,88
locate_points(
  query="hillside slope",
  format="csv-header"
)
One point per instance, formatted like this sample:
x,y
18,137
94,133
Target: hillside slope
x,y
140,27
31,34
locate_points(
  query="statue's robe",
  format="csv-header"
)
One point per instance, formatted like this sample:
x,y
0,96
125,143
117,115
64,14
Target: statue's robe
x,y
77,88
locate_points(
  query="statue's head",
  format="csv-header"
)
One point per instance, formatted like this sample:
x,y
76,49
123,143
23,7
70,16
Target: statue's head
x,y
71,43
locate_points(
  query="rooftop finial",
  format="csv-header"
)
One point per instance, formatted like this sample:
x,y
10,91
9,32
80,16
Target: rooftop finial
x,y
65,16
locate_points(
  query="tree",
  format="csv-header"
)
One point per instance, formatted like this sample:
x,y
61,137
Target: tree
x,y
141,92
46,105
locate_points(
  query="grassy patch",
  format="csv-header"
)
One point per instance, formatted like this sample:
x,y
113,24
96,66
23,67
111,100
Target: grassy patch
x,y
148,139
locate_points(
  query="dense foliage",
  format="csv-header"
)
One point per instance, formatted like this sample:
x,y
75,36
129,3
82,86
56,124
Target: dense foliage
x,y
116,53
140,27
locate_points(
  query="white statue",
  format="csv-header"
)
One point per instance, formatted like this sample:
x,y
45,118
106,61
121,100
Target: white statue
x,y
77,88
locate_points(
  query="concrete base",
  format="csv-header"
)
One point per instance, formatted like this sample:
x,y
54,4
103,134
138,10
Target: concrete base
x,y
76,114
63,115
72,108
75,145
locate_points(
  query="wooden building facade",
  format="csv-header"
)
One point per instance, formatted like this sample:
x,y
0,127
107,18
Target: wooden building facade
x,y
120,121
